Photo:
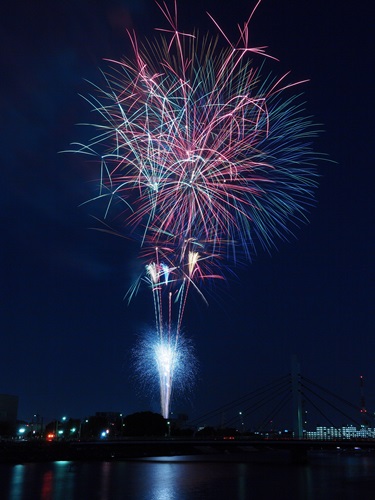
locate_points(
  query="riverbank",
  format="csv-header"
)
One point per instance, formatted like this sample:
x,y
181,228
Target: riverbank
x,y
18,452
297,451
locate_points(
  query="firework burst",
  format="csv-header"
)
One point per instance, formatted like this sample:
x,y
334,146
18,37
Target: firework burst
x,y
209,158
203,147
166,362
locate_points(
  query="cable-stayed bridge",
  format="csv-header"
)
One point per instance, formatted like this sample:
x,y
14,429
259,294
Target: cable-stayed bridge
x,y
292,405
243,430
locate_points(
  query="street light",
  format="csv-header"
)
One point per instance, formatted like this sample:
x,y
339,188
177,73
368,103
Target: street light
x,y
21,431
242,422
60,432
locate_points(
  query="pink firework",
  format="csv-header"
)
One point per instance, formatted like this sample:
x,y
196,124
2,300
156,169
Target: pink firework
x,y
198,145
208,158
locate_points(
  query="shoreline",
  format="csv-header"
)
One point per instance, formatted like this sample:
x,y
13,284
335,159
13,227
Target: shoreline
x,y
18,452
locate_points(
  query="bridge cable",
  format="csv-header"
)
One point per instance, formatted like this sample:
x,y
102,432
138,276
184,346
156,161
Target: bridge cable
x,y
356,407
330,404
241,400
275,411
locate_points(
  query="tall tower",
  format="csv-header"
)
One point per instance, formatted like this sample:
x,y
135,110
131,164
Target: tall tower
x,y
364,414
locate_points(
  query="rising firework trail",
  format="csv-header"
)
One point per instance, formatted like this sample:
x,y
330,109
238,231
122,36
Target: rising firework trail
x,y
165,351
208,158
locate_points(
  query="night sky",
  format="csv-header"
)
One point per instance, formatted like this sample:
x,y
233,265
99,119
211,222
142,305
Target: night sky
x,y
67,333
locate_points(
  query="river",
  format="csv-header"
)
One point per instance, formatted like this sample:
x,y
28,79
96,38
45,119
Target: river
x,y
327,476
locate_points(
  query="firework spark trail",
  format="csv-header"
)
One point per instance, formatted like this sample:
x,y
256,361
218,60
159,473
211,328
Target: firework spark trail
x,y
168,356
166,363
209,158
171,279
214,178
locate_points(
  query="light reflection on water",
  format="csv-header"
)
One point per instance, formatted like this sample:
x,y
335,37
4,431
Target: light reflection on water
x,y
327,476
17,480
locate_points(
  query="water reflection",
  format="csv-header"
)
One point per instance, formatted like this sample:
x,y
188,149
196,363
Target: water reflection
x,y
17,480
305,483
325,477
105,479
242,481
62,480
47,485
166,480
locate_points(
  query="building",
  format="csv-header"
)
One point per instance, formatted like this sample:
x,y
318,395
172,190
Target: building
x,y
8,413
345,432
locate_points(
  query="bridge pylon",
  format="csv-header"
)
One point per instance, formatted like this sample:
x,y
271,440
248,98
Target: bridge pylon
x,y
297,399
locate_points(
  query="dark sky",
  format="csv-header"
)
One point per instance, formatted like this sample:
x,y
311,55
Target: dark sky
x,y
66,331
